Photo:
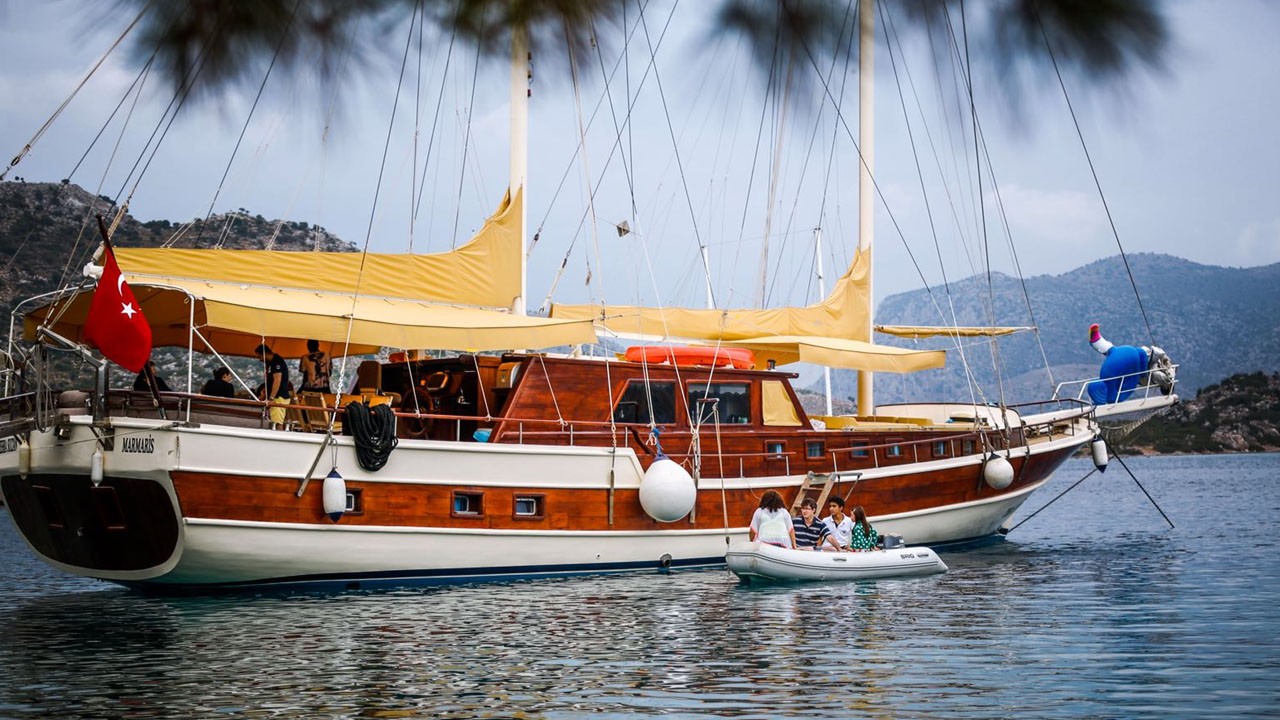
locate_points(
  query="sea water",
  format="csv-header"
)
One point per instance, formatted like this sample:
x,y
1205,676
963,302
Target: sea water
x,y
1093,608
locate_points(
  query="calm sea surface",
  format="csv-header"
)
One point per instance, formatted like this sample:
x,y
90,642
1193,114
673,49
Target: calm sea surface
x,y
1094,608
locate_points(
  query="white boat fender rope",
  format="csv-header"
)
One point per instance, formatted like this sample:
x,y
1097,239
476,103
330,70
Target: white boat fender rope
x,y
1098,448
997,472
335,495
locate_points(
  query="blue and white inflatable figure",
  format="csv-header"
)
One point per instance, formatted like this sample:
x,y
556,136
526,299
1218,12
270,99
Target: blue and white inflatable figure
x,y
1125,368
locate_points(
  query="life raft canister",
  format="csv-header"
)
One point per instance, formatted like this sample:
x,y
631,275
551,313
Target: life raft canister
x,y
693,356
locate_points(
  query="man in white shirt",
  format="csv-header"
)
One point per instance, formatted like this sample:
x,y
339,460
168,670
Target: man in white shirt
x,y
838,524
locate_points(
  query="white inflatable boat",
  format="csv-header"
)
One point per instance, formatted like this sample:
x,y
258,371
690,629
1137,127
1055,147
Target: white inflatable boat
x,y
760,561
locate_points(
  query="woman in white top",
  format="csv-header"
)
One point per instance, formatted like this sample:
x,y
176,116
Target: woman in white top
x,y
772,523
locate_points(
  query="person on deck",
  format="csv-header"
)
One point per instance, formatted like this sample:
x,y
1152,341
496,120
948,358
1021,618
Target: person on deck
x,y
771,523
276,386
315,368
220,385
147,379
838,524
811,533
864,536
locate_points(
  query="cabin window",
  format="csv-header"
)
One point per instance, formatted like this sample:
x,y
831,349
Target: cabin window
x,y
642,402
860,449
815,449
940,448
894,452
969,447
530,506
468,504
107,503
49,506
355,503
775,448
732,402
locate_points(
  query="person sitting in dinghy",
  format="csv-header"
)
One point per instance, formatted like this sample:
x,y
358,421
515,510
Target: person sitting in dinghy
x,y
771,524
838,524
864,536
810,532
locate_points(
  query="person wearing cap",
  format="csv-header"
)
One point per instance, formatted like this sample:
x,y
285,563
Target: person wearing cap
x,y
220,384
276,386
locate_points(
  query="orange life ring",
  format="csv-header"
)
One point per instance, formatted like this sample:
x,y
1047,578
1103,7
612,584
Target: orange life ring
x,y
695,356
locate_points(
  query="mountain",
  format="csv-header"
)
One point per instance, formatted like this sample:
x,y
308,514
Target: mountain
x,y
1212,321
47,231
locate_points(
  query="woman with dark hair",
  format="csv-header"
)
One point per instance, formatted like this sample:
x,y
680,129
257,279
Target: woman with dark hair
x,y
864,536
771,523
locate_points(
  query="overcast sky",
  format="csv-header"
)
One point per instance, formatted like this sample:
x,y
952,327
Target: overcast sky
x,y
1188,159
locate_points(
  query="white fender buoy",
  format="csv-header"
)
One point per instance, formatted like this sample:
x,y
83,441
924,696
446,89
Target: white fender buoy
x,y
335,495
998,472
24,458
667,491
1099,449
95,467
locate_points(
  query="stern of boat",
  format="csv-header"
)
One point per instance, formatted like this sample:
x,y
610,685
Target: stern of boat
x,y
124,527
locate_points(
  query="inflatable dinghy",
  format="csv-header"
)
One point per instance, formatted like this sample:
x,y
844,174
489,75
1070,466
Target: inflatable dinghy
x,y
761,561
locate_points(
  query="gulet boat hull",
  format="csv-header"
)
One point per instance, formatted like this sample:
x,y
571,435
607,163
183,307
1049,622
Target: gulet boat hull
x,y
209,507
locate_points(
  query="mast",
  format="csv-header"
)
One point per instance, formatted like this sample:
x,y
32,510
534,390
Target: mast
x,y
866,208
521,75
822,292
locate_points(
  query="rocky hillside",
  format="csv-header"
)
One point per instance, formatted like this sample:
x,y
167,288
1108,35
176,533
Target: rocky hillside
x,y
1240,414
48,230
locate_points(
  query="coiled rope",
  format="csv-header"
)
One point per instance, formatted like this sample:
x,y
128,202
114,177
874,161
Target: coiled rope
x,y
374,430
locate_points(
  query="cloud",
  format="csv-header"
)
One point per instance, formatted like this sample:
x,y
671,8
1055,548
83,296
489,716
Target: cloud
x,y
1257,244
1068,220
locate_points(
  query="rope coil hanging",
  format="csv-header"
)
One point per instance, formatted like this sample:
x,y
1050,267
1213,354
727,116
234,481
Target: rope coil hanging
x,y
374,430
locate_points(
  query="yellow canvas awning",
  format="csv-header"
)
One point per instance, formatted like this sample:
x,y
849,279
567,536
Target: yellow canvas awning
x,y
485,272
841,353
923,331
843,314
234,319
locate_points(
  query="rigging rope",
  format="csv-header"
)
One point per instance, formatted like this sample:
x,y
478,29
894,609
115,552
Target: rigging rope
x,y
1097,183
56,113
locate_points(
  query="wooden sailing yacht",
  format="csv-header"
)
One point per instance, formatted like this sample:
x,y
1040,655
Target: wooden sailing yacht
x,y
506,464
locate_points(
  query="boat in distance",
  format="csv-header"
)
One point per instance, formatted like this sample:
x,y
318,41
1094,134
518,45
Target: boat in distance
x,y
753,561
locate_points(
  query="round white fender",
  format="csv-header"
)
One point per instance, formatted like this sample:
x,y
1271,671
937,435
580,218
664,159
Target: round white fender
x,y
667,491
998,472
1099,449
335,495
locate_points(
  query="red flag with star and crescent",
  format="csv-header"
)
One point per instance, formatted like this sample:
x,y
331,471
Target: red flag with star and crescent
x,y
116,325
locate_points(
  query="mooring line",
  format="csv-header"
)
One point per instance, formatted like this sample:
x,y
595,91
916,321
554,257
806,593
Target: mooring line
x,y
1042,507
1140,487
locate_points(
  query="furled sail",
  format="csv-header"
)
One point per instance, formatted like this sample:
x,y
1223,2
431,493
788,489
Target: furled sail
x,y
843,314
921,331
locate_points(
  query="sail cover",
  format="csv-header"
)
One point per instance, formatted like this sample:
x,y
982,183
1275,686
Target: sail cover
x,y
841,353
483,273
919,331
843,314
236,299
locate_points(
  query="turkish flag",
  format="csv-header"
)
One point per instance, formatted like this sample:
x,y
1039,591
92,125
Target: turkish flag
x,y
116,325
